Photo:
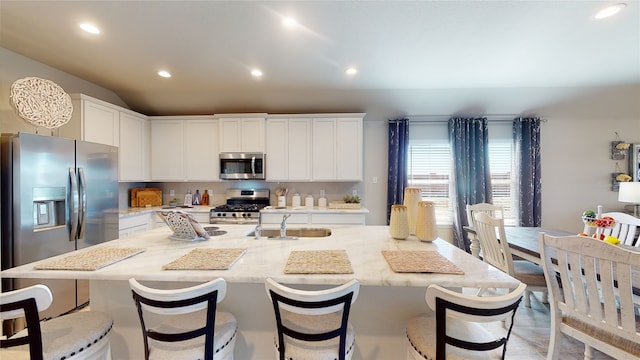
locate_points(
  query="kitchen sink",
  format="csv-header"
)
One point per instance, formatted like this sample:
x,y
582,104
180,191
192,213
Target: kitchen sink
x,y
301,232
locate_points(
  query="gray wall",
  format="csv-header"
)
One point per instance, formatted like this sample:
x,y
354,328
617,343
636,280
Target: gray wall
x,y
575,138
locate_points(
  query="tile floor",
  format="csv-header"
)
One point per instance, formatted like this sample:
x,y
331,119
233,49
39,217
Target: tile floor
x,y
530,336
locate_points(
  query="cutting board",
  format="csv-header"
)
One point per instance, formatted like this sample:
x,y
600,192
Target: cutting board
x,y
142,197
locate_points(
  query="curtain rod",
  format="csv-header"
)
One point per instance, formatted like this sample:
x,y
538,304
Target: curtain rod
x,y
445,118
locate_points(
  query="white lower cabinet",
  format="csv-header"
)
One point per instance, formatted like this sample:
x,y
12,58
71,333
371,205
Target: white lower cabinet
x,y
300,218
315,218
132,224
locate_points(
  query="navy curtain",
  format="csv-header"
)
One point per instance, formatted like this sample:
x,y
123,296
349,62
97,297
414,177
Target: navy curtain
x,y
468,138
526,138
398,148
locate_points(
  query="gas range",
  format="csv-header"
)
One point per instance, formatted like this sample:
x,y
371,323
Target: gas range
x,y
242,207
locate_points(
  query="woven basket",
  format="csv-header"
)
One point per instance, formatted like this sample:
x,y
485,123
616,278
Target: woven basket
x,y
343,205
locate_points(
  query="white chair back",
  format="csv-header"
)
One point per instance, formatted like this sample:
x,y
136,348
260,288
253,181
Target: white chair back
x,y
178,295
352,286
625,228
496,211
497,253
595,303
39,292
313,323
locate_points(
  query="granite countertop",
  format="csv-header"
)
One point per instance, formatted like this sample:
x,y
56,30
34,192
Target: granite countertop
x,y
269,209
268,257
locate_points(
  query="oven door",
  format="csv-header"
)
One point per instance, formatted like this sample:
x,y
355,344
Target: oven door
x,y
239,166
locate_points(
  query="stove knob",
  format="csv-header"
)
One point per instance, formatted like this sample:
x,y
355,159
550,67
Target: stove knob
x,y
234,215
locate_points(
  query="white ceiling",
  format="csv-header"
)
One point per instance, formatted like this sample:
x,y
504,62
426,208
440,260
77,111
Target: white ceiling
x,y
403,49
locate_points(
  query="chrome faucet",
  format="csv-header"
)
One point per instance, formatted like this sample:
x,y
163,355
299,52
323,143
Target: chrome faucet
x,y
283,226
258,230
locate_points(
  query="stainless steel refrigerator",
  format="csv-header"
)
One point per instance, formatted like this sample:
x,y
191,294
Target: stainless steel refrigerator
x,y
58,195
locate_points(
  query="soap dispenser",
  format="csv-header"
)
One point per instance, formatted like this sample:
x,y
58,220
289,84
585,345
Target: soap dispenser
x,y
188,198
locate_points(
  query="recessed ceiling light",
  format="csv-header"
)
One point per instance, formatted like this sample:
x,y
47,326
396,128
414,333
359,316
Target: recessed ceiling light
x,y
351,71
90,28
256,72
610,11
289,22
164,73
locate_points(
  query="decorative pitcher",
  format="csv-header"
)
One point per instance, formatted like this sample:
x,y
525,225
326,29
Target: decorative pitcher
x,y
411,199
426,227
399,224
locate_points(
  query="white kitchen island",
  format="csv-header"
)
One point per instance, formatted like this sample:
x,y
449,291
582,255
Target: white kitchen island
x,y
386,301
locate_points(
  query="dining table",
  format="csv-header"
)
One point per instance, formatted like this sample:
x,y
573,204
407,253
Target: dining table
x,y
524,243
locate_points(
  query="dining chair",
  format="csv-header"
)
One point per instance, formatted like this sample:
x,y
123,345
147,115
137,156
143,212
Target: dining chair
x,y
79,335
313,324
496,252
190,326
493,210
625,229
594,303
458,330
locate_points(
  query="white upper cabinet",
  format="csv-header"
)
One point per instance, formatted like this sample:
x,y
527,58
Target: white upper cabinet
x,y
184,148
242,133
314,147
337,149
324,149
167,150
134,156
201,150
93,120
288,149
349,149
277,162
299,146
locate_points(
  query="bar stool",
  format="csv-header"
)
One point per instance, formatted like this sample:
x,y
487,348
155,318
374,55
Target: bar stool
x,y
313,324
457,332
80,335
190,328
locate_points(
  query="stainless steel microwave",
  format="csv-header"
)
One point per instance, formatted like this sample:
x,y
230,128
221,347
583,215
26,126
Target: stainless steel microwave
x,y
242,166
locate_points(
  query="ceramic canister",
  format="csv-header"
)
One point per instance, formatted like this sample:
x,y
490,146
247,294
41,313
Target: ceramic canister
x,y
426,227
398,224
411,199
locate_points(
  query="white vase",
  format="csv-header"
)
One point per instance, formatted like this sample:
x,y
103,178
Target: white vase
x,y
399,224
411,199
426,226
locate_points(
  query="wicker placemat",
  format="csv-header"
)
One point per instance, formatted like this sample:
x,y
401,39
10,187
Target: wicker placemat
x,y
419,261
318,262
206,259
90,260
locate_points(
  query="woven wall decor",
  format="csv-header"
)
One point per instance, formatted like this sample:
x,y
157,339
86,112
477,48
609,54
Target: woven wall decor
x,y
41,102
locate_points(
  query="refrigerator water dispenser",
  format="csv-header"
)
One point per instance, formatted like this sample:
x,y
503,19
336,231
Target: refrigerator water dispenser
x,y
48,207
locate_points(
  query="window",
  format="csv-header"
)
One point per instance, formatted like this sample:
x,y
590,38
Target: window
x,y
429,167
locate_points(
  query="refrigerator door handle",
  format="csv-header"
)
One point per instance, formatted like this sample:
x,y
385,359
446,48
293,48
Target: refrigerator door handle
x,y
74,202
82,192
